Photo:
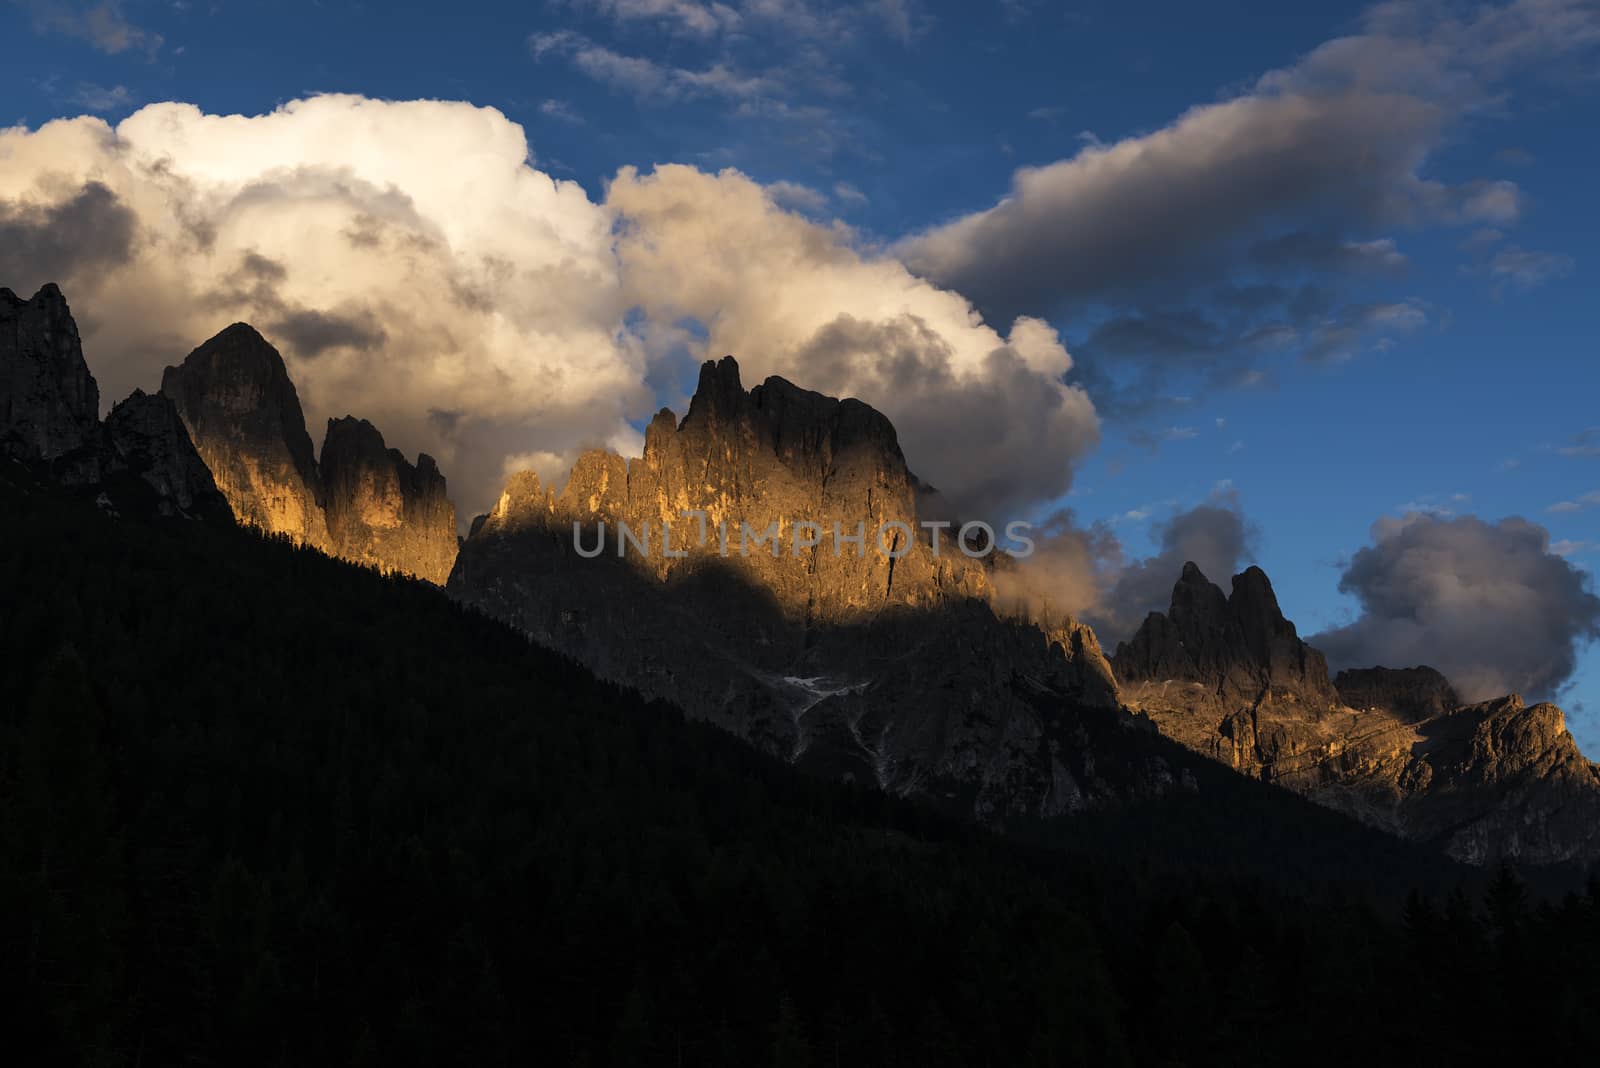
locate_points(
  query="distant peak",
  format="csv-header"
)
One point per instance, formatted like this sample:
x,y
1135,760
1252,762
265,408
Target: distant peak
x,y
239,331
49,293
1192,573
719,393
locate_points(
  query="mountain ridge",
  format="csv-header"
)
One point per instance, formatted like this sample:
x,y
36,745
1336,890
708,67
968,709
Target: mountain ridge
x,y
1230,678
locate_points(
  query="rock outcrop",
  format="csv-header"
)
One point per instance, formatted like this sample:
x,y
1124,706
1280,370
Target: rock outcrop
x,y
878,660
49,403
244,416
381,510
1228,677
150,441
139,460
1406,693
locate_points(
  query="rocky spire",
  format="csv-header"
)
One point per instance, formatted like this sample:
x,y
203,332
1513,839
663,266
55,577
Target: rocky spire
x,y
243,414
1237,647
49,403
381,510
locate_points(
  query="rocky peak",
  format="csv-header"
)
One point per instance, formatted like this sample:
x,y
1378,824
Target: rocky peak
x,y
150,440
383,511
49,402
243,414
886,669
1238,647
719,398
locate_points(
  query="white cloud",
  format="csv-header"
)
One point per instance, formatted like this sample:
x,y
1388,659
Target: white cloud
x,y
646,78
848,193
1525,268
100,98
691,17
984,417
404,256
416,270
1588,500
561,111
797,196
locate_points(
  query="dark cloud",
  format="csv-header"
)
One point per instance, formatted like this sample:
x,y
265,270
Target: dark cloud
x,y
1488,604
444,420
310,333
1319,252
1015,440
92,231
1304,176
1215,535
1187,204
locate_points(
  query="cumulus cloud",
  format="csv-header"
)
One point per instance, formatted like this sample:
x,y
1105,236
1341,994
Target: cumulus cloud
x,y
403,256
1215,535
1283,195
1086,572
417,270
1492,605
88,229
984,417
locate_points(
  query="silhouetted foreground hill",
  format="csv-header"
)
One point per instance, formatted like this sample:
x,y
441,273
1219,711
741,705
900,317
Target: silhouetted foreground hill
x,y
258,806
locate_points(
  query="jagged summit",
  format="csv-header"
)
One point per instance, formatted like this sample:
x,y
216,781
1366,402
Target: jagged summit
x,y
883,662
363,501
1238,647
243,413
382,510
49,402
139,459
1230,678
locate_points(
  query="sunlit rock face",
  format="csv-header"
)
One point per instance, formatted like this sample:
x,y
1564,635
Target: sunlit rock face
x,y
381,510
244,416
49,403
882,662
1228,677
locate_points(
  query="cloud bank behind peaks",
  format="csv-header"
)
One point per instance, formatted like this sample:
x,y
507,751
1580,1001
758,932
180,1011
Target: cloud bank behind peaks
x,y
417,269
406,258
1488,604
984,417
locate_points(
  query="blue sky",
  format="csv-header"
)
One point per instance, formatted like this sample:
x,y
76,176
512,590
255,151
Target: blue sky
x,y
1451,370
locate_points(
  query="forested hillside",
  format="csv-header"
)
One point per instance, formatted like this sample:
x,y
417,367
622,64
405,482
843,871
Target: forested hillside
x,y
258,806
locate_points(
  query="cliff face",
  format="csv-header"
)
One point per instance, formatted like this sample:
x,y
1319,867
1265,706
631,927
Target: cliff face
x,y
364,502
881,662
140,459
381,510
49,403
243,414
1229,678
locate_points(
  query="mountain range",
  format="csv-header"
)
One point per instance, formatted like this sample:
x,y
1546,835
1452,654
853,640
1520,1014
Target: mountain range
x,y
891,664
